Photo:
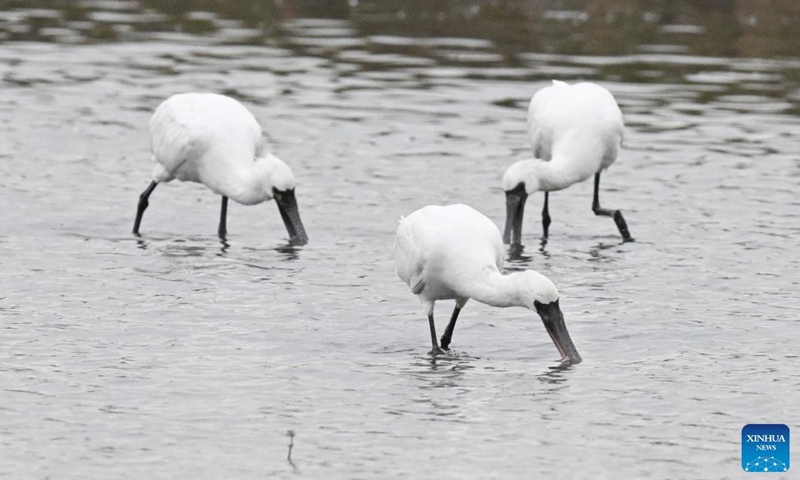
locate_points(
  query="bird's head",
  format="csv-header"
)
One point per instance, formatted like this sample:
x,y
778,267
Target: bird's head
x,y
544,299
520,180
278,183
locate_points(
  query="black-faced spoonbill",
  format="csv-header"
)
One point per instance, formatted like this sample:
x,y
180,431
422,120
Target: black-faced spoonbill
x,y
214,140
576,132
455,252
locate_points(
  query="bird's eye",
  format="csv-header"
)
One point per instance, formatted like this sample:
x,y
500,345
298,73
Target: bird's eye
x,y
278,196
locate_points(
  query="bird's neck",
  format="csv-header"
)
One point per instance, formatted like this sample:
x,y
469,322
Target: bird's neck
x,y
554,175
498,290
246,184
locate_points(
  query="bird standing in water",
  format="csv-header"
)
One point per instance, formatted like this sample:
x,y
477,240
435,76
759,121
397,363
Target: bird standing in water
x,y
214,140
576,131
455,252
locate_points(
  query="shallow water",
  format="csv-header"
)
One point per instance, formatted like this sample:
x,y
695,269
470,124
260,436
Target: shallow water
x,y
175,355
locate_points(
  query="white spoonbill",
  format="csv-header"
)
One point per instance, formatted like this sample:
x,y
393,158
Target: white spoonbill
x,y
455,252
214,140
576,132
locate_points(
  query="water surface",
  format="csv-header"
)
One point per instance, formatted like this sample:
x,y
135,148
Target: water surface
x,y
175,355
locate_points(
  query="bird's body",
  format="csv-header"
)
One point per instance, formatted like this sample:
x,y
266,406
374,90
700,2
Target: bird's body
x,y
214,140
576,132
427,257
578,129
455,252
190,132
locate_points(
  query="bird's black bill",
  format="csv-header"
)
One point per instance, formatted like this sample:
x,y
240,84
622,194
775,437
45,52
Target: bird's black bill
x,y
515,208
143,203
553,321
287,205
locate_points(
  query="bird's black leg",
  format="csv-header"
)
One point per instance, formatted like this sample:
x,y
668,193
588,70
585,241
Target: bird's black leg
x,y
435,350
223,218
615,214
545,214
143,203
448,332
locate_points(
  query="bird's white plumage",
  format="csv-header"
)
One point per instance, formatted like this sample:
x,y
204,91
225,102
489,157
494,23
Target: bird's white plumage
x,y
214,140
575,132
426,251
455,252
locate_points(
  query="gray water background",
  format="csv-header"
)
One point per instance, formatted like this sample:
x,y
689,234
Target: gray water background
x,y
175,355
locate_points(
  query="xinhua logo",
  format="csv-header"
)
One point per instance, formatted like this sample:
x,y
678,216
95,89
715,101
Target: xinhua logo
x,y
765,448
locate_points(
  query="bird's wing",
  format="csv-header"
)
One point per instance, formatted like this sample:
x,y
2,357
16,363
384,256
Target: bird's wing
x,y
175,138
187,127
564,113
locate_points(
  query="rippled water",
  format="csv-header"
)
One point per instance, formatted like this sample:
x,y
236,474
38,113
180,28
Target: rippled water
x,y
174,355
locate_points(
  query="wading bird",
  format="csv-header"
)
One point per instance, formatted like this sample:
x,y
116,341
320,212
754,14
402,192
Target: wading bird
x,y
455,252
214,140
576,132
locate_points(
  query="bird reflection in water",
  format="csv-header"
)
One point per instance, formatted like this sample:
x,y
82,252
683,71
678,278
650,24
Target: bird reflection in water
x,y
289,250
517,260
442,371
224,246
555,374
598,252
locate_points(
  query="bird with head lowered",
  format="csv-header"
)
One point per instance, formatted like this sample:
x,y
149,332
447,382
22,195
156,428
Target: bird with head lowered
x,y
576,131
456,252
214,140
